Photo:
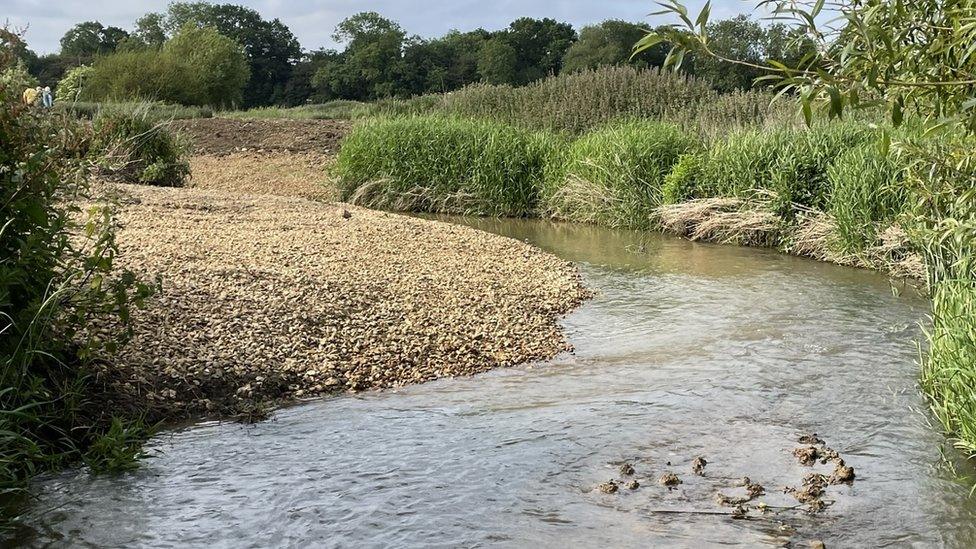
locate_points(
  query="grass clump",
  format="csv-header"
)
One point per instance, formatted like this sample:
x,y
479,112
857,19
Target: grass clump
x,y
439,164
614,176
867,194
136,148
339,109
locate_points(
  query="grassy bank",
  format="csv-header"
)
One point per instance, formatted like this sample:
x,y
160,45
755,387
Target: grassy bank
x,y
827,192
332,110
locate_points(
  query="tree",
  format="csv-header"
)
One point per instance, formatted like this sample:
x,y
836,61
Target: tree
x,y
270,47
498,61
371,63
610,43
216,65
149,30
540,45
198,66
736,38
85,40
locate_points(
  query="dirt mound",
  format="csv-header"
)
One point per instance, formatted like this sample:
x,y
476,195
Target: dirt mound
x,y
268,298
220,136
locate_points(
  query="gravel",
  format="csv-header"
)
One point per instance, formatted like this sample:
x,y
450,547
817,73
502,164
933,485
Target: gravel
x,y
269,298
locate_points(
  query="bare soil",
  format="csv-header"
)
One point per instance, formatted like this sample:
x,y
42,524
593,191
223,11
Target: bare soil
x,y
223,136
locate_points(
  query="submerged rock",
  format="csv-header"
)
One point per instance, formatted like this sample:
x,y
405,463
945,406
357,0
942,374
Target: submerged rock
x,y
698,466
609,487
626,469
670,480
842,474
633,485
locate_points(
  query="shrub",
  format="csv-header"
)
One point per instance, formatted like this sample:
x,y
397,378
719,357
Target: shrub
x,y
867,191
437,164
614,176
56,280
198,66
71,85
135,147
679,185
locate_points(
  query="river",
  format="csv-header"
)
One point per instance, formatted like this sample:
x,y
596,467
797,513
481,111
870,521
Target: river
x,y
687,350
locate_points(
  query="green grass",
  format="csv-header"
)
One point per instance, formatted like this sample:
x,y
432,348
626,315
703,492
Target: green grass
x,y
581,101
867,193
332,110
613,176
154,109
440,164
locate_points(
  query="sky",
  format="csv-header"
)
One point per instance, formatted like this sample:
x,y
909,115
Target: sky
x,y
313,21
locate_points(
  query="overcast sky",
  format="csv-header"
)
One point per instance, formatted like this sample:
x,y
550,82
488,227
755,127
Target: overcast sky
x,y
312,21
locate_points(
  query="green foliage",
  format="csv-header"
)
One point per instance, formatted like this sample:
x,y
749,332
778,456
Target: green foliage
x,y
138,148
16,77
613,176
681,183
91,38
270,48
438,164
610,43
868,192
155,110
70,86
198,66
217,69
786,166
57,281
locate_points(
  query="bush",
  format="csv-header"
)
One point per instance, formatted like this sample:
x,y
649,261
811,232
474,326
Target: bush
x,y
135,147
56,281
614,176
679,185
198,66
72,83
437,164
867,192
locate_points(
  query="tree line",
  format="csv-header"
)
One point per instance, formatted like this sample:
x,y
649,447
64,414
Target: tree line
x,y
226,55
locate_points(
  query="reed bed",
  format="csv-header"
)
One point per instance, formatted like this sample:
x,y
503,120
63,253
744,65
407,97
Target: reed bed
x,y
440,164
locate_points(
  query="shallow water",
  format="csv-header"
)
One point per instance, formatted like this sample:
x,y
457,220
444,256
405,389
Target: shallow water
x,y
688,349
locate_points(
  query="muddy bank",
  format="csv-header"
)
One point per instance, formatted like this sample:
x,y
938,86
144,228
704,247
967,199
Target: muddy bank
x,y
269,298
222,136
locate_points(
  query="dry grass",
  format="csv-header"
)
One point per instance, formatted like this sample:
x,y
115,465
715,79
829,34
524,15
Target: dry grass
x,y
723,220
282,174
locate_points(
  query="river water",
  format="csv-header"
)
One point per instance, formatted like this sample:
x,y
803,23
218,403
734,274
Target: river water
x,y
687,350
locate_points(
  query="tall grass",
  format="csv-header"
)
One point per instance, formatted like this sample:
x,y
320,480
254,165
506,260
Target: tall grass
x,y
868,193
613,176
438,164
154,109
333,110
577,102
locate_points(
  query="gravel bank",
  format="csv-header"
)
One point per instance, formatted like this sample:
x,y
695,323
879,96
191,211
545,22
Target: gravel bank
x,y
281,173
272,298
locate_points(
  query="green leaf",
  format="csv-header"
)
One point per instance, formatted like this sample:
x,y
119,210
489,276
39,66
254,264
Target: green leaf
x,y
807,111
896,112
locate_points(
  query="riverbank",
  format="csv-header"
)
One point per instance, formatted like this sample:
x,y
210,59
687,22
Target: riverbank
x,y
268,298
